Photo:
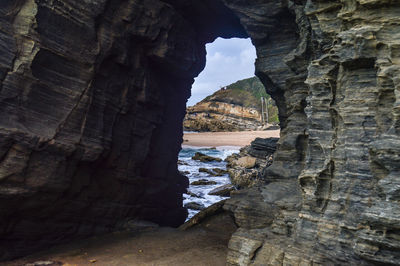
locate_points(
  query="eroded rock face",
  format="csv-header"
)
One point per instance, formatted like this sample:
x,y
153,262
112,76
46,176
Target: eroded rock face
x,y
220,116
93,97
335,79
247,168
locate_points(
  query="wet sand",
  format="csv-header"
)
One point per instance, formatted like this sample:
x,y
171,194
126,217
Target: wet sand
x,y
214,139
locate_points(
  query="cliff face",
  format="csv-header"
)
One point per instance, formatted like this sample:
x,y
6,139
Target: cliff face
x,y
332,192
219,116
233,108
92,101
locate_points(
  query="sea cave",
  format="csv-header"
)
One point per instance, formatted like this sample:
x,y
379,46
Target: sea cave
x,y
93,95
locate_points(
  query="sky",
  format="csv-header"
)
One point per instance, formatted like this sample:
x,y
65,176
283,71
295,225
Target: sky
x,y
228,60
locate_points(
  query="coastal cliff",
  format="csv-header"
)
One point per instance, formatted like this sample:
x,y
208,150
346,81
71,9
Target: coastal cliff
x,y
92,100
232,108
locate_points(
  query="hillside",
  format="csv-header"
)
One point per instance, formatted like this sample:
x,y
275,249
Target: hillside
x,y
232,108
246,92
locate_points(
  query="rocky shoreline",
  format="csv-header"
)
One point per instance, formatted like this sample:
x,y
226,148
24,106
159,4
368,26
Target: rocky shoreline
x,y
208,178
245,170
247,167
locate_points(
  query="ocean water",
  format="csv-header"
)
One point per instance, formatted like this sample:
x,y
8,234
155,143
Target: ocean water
x,y
193,166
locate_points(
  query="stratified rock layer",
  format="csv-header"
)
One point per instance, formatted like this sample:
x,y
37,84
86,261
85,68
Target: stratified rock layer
x,y
219,116
92,98
333,68
246,168
92,101
235,107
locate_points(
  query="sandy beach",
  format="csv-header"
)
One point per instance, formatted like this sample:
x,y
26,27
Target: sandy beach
x,y
214,139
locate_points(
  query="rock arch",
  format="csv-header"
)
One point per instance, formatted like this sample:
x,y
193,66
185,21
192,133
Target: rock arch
x,y
93,95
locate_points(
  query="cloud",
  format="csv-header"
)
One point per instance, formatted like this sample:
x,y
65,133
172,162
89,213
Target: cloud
x,y
228,60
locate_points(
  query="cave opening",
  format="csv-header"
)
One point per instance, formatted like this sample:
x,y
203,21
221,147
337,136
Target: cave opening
x,y
228,108
227,61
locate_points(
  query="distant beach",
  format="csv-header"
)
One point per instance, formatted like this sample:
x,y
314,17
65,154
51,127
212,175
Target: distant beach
x,y
215,139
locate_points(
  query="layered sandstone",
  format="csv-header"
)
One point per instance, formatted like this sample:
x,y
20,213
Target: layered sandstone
x,y
92,101
220,116
236,107
332,192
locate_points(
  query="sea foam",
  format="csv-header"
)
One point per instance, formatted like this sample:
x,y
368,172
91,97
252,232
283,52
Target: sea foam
x,y
192,167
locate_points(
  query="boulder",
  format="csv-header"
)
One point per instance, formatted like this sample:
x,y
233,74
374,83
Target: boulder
x,y
243,178
214,171
193,195
205,158
223,191
180,162
214,209
184,172
194,206
206,170
203,182
245,170
247,162
219,171
261,148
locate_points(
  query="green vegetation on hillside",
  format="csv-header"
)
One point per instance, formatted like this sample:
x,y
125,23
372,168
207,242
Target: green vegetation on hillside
x,y
247,93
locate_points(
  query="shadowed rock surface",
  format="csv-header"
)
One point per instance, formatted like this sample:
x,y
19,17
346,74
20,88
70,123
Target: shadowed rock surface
x,y
92,101
203,182
194,206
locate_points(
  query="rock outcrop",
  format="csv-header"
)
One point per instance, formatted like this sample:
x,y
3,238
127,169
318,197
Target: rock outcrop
x,y
93,97
247,168
220,116
331,196
235,107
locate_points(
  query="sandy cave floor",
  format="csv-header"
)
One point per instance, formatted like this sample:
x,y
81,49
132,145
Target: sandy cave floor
x,y
205,244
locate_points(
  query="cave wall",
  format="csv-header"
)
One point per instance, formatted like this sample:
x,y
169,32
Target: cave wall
x,y
92,101
332,194
92,98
